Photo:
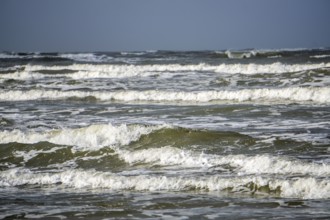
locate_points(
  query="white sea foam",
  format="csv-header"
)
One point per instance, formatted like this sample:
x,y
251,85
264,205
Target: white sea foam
x,y
275,56
320,56
260,164
20,56
8,56
307,188
23,75
92,137
295,94
27,155
95,137
133,53
262,170
241,54
86,57
122,71
9,69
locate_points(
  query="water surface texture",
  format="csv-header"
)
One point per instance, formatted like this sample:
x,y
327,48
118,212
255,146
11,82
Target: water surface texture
x,y
165,135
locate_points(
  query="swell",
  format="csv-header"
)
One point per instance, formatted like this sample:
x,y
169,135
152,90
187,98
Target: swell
x,y
50,157
206,140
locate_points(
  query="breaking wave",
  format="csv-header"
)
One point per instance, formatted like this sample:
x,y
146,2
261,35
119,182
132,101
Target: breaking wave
x,y
83,71
89,138
264,174
307,188
86,57
95,137
296,94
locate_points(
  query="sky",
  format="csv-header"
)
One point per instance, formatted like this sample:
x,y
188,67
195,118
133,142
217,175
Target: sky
x,y
139,25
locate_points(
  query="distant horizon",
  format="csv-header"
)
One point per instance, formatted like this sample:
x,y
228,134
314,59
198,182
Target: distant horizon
x,y
164,50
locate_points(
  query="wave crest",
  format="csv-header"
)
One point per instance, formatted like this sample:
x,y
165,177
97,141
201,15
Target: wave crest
x,y
306,188
93,137
84,71
297,94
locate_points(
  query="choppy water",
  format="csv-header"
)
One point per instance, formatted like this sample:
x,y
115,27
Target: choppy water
x,y
161,134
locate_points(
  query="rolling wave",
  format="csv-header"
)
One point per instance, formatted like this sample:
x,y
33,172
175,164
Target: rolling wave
x,y
85,71
89,138
96,137
289,95
305,188
228,130
86,57
258,174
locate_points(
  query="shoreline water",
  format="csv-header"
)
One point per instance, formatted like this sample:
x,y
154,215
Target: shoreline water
x,y
165,134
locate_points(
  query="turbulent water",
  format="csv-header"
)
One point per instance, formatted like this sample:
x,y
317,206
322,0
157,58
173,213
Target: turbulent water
x,y
165,135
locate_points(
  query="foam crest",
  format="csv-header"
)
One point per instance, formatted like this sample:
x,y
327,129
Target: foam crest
x,y
264,164
7,56
261,164
92,137
307,188
166,156
320,56
240,54
23,75
112,70
133,53
295,94
86,57
27,155
19,56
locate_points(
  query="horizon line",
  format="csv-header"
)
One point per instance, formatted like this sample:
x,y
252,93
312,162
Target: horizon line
x,y
166,50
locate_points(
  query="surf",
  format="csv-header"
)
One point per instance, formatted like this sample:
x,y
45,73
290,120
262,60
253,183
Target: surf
x,y
318,95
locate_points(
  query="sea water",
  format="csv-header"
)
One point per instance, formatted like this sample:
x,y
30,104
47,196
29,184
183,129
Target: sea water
x,y
165,135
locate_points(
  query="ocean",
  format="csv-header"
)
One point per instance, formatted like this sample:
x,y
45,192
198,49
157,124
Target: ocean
x,y
226,134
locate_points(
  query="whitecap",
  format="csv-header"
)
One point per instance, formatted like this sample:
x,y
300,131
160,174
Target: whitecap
x,y
93,137
305,188
86,57
85,71
287,95
242,165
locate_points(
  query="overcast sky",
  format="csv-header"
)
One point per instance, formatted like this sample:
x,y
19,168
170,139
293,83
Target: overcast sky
x,y
132,25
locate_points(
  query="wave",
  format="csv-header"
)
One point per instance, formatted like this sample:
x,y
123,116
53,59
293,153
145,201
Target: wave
x,y
271,53
241,54
86,57
306,188
133,53
320,56
20,55
83,71
234,173
160,152
11,69
93,137
40,57
287,95
8,56
243,165
5,122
